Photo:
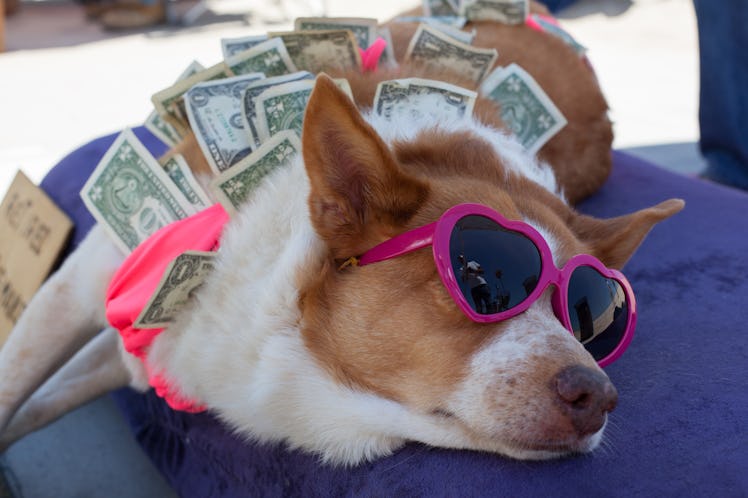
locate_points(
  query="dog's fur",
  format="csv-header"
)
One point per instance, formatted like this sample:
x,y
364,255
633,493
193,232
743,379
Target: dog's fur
x,y
350,363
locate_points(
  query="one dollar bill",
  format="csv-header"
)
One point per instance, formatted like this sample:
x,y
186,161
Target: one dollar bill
x,y
440,7
505,11
315,51
282,107
433,49
413,98
269,58
364,29
160,127
233,187
181,174
168,102
181,279
525,108
233,46
249,97
214,111
130,195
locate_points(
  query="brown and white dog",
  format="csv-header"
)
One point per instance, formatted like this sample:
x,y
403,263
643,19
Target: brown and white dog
x,y
281,344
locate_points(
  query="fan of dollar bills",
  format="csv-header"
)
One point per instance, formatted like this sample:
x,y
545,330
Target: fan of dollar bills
x,y
247,114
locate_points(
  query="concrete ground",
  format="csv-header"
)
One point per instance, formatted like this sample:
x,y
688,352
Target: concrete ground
x,y
64,81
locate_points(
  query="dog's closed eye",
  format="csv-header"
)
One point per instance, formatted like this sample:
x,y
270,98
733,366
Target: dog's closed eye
x,y
441,412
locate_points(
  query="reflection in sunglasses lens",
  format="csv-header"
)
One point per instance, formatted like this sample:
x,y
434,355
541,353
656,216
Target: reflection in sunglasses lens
x,y
495,268
598,311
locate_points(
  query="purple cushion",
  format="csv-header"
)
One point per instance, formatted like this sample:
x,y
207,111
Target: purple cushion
x,y
681,426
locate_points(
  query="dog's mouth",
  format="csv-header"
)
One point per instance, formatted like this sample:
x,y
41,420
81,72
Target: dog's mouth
x,y
544,449
528,448
549,448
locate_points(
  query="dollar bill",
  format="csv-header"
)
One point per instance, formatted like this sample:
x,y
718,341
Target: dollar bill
x,y
156,124
233,187
249,111
364,29
162,130
440,7
269,57
316,51
391,98
525,108
179,282
233,46
214,111
130,195
282,108
417,97
168,102
181,174
434,49
505,11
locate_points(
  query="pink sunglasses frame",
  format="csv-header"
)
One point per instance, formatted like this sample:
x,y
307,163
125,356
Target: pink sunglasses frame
x,y
437,235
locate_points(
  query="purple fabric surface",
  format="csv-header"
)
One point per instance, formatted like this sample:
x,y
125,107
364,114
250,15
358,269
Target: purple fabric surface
x,y
681,426
63,183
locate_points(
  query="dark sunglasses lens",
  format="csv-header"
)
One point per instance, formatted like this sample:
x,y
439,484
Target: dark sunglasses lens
x,y
496,269
598,311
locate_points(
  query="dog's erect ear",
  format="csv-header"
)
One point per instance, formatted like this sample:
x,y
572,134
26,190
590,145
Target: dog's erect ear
x,y
614,241
358,191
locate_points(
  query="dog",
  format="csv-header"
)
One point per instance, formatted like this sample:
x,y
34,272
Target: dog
x,y
288,341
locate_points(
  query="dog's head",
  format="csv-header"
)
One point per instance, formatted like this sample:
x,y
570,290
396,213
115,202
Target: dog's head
x,y
524,387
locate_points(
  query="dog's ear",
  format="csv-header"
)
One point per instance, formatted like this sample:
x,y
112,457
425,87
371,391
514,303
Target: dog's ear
x,y
614,241
358,191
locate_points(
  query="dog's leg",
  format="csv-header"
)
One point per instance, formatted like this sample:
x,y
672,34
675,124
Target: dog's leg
x,y
95,370
62,317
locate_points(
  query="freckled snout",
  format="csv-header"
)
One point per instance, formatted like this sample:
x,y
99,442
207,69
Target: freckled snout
x,y
586,396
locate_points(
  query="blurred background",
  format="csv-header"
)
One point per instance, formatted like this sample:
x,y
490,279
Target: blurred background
x,y
65,79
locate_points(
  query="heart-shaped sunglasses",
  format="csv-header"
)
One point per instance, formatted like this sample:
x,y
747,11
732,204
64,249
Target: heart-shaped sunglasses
x,y
495,268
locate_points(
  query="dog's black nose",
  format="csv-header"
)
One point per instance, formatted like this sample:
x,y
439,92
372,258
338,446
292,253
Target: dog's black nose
x,y
586,396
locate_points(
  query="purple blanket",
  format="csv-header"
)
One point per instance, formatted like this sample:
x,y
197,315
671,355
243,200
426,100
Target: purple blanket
x,y
681,426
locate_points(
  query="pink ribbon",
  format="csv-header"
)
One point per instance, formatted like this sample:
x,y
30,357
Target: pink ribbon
x,y
136,280
531,22
370,56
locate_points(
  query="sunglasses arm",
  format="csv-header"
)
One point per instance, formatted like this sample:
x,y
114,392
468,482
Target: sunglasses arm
x,y
400,244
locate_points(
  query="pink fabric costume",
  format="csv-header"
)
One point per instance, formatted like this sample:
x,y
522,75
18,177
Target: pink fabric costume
x,y
136,281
